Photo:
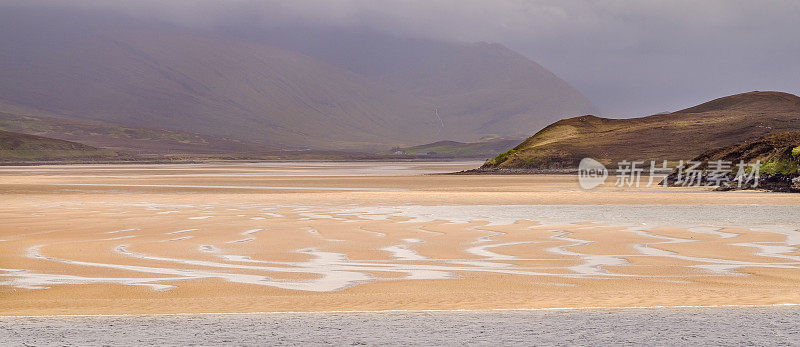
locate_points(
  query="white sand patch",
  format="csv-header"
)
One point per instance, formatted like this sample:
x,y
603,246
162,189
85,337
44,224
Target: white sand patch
x,y
712,231
249,239
251,231
26,279
592,263
208,249
715,265
181,231
121,231
402,252
120,238
180,238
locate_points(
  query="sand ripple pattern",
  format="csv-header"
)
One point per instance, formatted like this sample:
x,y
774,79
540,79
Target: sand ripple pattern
x,y
331,248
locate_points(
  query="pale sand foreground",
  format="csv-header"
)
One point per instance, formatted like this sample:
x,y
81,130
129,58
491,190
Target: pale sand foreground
x,y
377,236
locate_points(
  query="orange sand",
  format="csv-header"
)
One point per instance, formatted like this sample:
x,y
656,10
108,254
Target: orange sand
x,y
72,242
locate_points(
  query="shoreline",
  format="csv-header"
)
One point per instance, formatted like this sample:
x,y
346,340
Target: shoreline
x,y
502,172
543,309
241,161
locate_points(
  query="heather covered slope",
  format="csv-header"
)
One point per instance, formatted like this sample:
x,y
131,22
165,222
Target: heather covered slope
x,y
106,67
680,135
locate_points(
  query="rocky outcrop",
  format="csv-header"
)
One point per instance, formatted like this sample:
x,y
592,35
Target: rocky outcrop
x,y
774,160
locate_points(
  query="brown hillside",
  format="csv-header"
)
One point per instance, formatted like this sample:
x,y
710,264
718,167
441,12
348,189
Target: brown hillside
x,y
675,136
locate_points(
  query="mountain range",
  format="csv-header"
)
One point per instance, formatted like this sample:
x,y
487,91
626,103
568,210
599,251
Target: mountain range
x,y
288,88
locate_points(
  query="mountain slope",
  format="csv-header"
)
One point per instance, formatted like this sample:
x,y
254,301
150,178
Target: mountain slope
x,y
476,87
131,140
681,135
106,67
144,75
23,147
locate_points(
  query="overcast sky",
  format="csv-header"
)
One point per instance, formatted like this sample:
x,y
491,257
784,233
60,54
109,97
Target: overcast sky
x,y
630,57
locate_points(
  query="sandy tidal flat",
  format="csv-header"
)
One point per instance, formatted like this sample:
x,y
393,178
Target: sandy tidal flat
x,y
120,239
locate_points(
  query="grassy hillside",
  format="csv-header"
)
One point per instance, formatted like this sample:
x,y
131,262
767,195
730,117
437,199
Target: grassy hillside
x,y
680,135
16,147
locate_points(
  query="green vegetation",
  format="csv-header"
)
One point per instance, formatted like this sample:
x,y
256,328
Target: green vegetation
x,y
796,151
780,167
502,157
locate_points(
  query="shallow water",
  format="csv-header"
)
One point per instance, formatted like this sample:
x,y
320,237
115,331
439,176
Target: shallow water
x,y
655,326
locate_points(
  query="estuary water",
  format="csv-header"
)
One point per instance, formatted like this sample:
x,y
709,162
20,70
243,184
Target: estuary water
x,y
773,325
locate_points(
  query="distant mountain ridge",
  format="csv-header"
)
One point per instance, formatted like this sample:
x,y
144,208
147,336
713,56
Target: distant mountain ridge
x,y
481,85
104,67
680,135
